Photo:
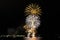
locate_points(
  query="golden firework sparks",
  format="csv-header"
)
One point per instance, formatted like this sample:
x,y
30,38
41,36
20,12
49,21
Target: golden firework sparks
x,y
33,9
30,31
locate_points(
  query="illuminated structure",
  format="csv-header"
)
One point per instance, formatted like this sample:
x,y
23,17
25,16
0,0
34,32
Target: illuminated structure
x,y
32,20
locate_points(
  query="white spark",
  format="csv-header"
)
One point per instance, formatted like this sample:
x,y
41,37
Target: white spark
x,y
33,21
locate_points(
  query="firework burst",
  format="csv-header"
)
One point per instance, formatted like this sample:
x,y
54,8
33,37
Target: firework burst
x,y
33,9
32,20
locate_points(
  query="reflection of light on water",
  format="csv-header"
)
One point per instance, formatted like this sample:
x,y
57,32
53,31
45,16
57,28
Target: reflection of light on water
x,y
33,38
12,36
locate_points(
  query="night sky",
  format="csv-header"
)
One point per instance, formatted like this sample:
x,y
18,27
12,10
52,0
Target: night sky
x,y
12,16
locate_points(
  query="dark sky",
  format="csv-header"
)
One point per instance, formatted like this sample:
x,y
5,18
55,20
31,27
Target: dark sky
x,y
12,15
